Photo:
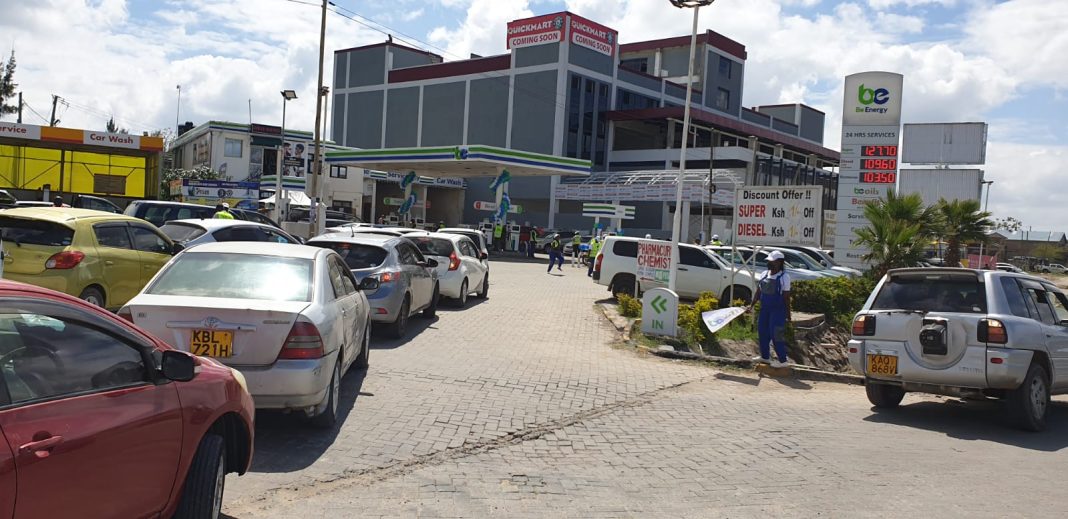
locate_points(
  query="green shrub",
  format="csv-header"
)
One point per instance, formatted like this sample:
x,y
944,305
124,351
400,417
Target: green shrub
x,y
706,302
629,306
839,298
691,326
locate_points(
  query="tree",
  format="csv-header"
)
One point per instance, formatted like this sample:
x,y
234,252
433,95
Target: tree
x,y
899,227
962,222
114,128
1048,251
7,87
1009,224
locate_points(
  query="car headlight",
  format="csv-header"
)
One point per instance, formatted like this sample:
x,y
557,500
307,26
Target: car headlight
x,y
240,379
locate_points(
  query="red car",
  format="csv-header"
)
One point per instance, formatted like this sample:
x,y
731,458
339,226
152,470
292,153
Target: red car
x,y
100,419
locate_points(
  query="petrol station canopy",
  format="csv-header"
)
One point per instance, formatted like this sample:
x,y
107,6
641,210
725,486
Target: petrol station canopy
x,y
461,161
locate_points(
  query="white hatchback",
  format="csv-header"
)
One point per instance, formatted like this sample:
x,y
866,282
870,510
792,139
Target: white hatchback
x,y
291,318
462,269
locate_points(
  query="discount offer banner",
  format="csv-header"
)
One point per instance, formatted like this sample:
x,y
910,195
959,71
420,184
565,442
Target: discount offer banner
x,y
779,216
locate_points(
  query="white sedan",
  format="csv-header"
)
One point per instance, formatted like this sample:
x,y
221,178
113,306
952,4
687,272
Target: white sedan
x,y
192,232
462,269
290,318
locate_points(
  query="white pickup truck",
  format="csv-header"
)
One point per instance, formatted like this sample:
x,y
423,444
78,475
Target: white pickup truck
x,y
699,270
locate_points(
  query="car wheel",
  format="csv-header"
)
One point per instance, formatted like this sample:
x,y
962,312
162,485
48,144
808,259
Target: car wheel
x,y
462,300
204,484
400,326
623,284
328,417
883,396
432,310
93,296
740,292
484,293
1029,403
364,358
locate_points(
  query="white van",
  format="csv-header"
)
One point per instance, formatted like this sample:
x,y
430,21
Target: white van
x,y
699,270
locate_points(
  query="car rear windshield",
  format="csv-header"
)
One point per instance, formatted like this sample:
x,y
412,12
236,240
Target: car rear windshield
x,y
23,231
182,232
239,276
356,256
160,214
473,235
932,293
432,246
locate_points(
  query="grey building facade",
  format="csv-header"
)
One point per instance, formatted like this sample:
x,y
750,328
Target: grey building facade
x,y
577,93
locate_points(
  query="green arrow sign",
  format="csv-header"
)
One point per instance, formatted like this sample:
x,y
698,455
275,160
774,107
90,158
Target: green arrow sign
x,y
659,304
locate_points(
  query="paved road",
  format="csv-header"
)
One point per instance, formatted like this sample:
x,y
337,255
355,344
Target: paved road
x,y
519,406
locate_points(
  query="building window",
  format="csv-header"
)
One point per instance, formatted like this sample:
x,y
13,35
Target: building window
x,y
339,172
639,64
724,67
232,148
723,99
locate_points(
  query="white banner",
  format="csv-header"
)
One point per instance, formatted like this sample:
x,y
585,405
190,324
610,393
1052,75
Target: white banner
x,y
783,215
716,319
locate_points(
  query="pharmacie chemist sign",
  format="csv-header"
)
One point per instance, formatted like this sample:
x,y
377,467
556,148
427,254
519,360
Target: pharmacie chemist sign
x,y
779,216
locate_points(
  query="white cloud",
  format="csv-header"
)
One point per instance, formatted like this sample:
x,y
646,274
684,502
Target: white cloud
x,y
886,4
899,23
1027,38
484,29
1027,179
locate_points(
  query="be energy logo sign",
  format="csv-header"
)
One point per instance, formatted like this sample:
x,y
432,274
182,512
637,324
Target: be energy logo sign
x,y
872,99
869,97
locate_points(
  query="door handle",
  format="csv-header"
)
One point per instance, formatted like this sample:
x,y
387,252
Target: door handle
x,y
684,268
109,263
41,448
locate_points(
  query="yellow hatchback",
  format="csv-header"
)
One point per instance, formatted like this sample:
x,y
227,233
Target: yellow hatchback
x,y
103,258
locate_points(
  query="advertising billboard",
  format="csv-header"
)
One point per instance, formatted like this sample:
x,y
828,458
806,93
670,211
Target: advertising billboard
x,y
782,215
944,143
539,30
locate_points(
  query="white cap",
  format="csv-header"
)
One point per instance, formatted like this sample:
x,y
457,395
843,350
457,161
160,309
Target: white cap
x,y
776,256
715,236
648,236
226,205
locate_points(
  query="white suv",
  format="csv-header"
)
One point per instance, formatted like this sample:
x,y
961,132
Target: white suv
x,y
699,270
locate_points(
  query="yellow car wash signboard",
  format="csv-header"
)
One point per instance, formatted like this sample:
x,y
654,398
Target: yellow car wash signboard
x,y
78,161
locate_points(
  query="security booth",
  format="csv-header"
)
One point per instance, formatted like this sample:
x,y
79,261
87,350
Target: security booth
x,y
40,162
490,166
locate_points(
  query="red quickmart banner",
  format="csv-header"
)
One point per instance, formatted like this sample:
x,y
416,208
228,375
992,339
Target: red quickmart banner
x,y
593,35
536,31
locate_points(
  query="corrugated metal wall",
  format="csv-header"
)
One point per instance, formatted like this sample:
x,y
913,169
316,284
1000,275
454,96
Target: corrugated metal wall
x,y
935,184
944,143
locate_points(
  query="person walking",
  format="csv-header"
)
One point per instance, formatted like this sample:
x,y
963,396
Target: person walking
x,y
773,292
595,248
556,253
576,244
222,211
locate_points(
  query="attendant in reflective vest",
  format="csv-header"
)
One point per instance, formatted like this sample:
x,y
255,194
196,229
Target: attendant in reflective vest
x,y
498,236
576,243
773,292
223,211
595,248
556,253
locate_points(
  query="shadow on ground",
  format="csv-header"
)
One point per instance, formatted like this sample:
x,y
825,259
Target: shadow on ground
x,y
978,420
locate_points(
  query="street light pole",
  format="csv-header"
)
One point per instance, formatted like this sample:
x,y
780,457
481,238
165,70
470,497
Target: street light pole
x,y
178,112
287,95
320,214
986,203
676,227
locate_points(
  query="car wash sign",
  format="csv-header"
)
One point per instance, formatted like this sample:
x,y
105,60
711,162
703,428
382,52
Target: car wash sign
x,y
539,30
783,215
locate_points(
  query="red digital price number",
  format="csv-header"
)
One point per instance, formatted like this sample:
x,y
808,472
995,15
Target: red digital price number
x,y
879,151
872,177
889,164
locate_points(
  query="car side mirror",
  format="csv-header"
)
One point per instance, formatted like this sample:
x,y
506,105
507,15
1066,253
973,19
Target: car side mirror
x,y
483,256
178,366
369,284
431,263
176,248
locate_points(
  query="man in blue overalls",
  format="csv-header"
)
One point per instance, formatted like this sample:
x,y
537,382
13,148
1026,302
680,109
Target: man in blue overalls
x,y
773,292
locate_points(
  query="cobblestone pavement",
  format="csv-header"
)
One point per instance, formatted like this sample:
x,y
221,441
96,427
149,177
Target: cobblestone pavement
x,y
518,406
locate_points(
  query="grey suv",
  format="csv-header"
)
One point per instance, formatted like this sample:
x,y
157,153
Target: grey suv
x,y
966,333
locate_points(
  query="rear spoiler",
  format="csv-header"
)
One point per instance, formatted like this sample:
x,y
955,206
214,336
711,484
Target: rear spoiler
x,y
937,271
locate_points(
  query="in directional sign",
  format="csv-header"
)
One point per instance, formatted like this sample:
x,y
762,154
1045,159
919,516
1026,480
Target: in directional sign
x,y
660,312
659,304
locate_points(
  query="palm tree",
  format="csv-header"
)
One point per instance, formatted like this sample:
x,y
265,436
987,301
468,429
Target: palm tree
x,y
962,221
899,227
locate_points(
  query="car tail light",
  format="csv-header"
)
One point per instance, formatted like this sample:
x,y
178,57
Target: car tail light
x,y
864,325
600,258
992,331
454,261
387,277
125,313
303,342
65,260
997,360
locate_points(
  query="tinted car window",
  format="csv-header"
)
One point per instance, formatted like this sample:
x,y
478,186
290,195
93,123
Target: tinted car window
x,y
43,356
1014,297
335,281
22,231
160,214
932,293
1039,298
1060,305
694,257
356,256
240,233
147,240
182,232
625,248
433,246
112,236
239,276
346,276
277,237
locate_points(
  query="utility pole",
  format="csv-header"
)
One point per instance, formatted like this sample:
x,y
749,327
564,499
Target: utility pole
x,y
20,108
52,121
317,182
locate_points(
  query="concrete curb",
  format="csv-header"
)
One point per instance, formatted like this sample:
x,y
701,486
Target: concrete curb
x,y
621,324
796,371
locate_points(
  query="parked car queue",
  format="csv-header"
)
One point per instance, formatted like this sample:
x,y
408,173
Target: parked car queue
x,y
238,314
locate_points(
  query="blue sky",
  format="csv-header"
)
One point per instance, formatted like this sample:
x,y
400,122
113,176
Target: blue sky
x,y
964,60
